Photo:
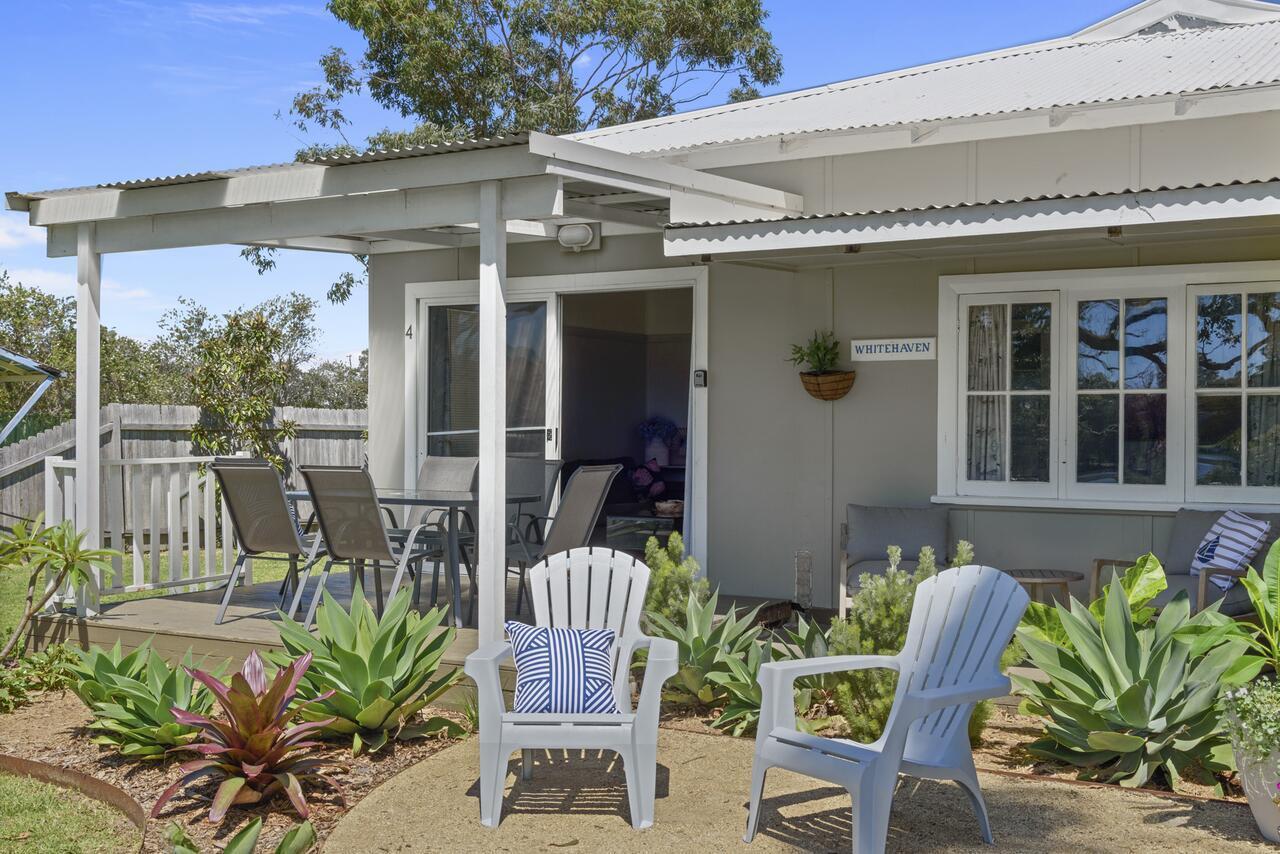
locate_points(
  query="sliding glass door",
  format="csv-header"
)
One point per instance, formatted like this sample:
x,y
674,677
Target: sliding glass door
x,y
452,363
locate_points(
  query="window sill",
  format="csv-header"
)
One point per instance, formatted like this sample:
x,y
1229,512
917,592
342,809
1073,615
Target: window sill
x,y
1095,504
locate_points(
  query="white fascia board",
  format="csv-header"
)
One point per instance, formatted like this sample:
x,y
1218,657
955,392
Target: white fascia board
x,y
1138,111
523,198
288,183
655,172
1046,216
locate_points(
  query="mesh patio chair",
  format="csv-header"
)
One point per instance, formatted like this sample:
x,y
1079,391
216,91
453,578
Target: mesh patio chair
x,y
264,525
571,526
346,506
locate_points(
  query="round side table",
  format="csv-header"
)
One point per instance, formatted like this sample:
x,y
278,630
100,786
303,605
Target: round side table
x,y
1041,582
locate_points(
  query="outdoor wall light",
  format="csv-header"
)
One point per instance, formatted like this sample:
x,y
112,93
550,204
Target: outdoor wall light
x,y
576,236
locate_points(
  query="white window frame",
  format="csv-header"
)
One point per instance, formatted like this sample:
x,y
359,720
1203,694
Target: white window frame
x,y
1230,494
1012,488
1178,284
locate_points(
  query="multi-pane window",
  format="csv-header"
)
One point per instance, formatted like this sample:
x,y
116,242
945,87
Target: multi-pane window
x,y
1122,372
1152,388
1237,389
1008,399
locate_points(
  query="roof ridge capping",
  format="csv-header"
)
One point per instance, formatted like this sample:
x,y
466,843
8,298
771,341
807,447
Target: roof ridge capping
x,y
1232,13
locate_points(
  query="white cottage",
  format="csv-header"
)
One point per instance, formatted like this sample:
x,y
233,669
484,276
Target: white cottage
x,y
1076,243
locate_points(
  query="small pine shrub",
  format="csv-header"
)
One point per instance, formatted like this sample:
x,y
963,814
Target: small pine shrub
x,y
673,578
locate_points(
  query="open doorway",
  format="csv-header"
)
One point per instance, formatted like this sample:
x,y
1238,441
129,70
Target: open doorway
x,y
625,399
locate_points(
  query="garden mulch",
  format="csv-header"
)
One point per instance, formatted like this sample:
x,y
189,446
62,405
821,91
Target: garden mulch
x,y
53,730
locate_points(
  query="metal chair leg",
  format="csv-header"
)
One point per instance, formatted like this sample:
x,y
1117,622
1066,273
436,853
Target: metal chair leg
x,y
301,588
435,582
231,585
315,600
377,586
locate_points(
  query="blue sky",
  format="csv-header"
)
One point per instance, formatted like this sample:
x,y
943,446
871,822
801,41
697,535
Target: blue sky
x,y
105,90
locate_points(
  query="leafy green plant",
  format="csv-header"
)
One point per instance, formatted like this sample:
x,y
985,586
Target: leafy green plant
x,y
133,698
50,557
369,677
47,670
255,751
1253,718
741,689
704,646
673,577
299,839
1141,583
1263,637
821,353
1128,702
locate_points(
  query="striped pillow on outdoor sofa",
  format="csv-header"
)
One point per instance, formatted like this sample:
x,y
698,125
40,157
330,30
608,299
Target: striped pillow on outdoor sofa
x,y
563,671
1231,543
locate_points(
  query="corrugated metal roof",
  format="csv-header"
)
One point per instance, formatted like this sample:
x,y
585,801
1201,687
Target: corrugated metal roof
x,y
963,205
1061,73
370,156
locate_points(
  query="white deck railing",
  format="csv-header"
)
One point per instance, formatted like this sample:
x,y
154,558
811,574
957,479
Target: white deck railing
x,y
163,514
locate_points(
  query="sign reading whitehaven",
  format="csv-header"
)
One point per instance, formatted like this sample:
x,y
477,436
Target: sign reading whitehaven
x,y
893,349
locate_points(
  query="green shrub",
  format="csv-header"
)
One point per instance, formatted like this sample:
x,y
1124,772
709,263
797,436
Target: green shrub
x,y
369,677
133,696
42,671
1253,719
705,645
1128,701
673,578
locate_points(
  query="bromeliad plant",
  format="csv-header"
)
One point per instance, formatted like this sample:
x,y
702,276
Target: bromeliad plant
x,y
369,677
704,645
134,697
255,750
1127,701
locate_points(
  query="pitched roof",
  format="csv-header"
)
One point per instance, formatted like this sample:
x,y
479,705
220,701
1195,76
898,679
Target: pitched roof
x,y
1060,73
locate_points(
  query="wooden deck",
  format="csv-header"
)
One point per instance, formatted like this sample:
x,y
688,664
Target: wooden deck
x,y
184,621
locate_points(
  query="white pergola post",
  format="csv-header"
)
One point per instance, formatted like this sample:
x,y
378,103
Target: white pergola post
x,y
88,409
491,567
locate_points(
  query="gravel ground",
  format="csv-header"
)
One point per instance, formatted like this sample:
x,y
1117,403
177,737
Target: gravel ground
x,y
580,803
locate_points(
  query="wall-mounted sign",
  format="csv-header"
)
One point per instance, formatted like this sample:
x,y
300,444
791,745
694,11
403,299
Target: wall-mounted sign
x,y
893,349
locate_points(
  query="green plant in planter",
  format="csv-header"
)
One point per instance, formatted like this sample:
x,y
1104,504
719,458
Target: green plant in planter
x,y
820,353
673,578
1128,702
704,645
134,697
369,677
1253,718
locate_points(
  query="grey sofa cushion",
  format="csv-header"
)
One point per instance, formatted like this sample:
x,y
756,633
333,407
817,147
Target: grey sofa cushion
x,y
873,529
874,567
1234,603
1189,528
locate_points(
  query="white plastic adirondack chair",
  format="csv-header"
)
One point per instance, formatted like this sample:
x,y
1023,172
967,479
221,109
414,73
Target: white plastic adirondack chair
x,y
590,589
961,622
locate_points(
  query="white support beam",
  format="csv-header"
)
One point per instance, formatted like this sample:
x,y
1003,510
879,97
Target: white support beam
x,y
568,151
1014,219
621,216
346,245
523,198
88,408
427,238
491,561
292,183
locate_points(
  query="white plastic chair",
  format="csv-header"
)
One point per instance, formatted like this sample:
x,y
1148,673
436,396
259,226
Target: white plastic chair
x,y
590,589
961,622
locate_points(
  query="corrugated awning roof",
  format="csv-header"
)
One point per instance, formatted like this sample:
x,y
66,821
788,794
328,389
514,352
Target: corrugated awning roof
x,y
370,156
1057,74
966,205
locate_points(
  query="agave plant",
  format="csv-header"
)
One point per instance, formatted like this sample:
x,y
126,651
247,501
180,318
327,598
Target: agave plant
x,y
742,690
133,698
256,751
1125,702
705,645
369,677
1141,583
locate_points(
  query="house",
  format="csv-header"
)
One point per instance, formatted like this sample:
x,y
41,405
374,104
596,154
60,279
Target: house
x,y
1014,210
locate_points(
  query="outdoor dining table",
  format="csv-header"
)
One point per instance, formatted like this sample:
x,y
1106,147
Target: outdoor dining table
x,y
455,502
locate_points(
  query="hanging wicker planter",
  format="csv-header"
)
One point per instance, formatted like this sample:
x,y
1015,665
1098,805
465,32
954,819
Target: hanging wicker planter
x,y
828,385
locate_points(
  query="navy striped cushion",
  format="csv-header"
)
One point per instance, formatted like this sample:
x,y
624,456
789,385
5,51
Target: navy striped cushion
x,y
1231,543
563,671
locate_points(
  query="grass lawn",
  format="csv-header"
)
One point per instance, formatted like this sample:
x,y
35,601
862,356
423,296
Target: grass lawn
x,y
36,816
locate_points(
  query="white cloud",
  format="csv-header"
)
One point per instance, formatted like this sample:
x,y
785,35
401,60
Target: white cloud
x,y
14,233
247,13
64,284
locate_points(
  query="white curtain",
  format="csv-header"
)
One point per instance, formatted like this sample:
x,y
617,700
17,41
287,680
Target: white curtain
x,y
986,372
